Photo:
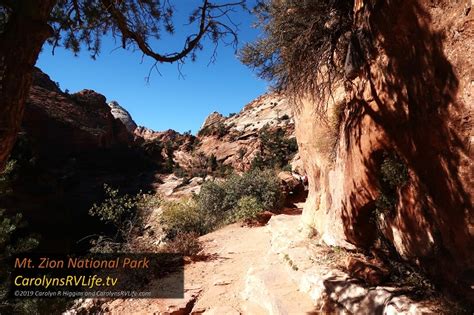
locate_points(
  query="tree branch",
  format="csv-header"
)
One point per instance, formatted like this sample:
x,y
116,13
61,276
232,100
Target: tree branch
x,y
142,44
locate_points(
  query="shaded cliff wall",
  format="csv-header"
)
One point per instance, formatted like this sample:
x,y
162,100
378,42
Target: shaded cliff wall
x,y
411,105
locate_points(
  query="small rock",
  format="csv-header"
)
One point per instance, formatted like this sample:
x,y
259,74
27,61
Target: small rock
x,y
222,282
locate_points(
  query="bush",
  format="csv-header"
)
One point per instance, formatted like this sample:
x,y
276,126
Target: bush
x,y
6,178
276,148
239,197
219,129
13,240
180,217
114,209
126,214
248,209
264,186
187,244
179,172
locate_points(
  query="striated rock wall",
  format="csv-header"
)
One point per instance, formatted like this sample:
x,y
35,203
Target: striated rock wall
x,y
412,103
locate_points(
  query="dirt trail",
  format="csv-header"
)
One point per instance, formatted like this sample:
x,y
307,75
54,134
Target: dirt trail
x,y
223,283
273,270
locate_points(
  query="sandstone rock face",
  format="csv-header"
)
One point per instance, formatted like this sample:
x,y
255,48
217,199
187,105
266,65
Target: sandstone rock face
x,y
61,124
414,102
212,120
123,115
238,143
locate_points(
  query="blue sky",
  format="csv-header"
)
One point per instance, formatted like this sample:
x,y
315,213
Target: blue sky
x,y
166,101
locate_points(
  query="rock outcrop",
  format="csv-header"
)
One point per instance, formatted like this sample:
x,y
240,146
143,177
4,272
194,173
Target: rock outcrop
x,y
396,171
234,140
123,115
59,124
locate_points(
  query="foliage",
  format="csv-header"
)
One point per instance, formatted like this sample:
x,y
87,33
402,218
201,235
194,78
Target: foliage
x,y
15,236
300,36
212,162
121,212
169,151
290,262
264,186
134,24
219,129
6,177
276,149
241,152
180,217
126,214
187,244
13,241
179,172
394,172
9,225
287,168
258,162
248,209
115,208
238,197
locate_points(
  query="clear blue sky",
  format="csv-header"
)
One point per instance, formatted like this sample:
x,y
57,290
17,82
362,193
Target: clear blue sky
x,y
167,101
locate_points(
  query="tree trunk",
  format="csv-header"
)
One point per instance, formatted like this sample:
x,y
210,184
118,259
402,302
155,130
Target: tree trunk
x,y
20,44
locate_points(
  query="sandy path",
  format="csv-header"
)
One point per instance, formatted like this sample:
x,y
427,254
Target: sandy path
x,y
217,281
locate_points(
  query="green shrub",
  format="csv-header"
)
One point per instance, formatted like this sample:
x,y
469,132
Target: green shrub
x,y
211,197
115,209
264,186
239,197
182,217
219,130
13,241
393,171
248,209
187,244
126,214
276,148
6,178
287,168
258,162
298,37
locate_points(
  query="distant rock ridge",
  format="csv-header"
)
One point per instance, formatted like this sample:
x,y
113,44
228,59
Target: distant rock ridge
x,y
233,140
